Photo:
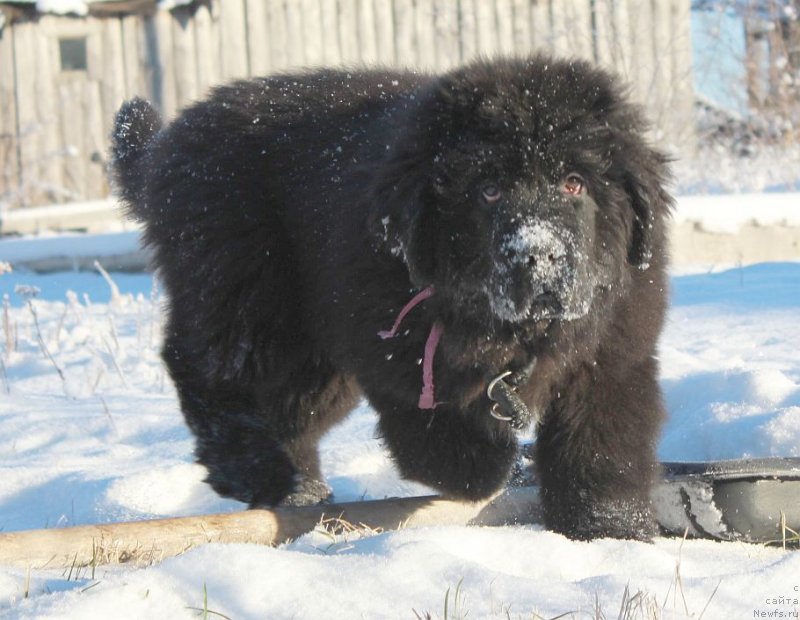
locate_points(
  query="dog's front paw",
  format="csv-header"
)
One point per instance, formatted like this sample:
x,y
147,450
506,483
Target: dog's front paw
x,y
308,492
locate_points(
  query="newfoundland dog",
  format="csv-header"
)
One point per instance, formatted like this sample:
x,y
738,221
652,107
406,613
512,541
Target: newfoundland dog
x,y
473,252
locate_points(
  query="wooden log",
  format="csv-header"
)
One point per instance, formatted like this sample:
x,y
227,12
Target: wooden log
x,y
148,542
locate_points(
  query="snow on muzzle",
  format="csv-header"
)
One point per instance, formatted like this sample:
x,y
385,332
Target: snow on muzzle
x,y
540,272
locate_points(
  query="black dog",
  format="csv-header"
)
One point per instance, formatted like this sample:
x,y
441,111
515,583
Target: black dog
x,y
413,237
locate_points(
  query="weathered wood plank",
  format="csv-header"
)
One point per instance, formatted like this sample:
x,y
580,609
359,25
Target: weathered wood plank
x,y
367,33
95,144
541,32
348,32
312,33
184,45
424,22
405,33
521,15
295,43
133,57
468,30
47,72
73,134
278,53
641,65
605,32
682,85
329,17
446,28
233,38
661,94
9,157
30,128
207,51
384,31
257,37
505,26
486,21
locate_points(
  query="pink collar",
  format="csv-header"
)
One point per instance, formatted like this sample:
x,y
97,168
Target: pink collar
x,y
426,397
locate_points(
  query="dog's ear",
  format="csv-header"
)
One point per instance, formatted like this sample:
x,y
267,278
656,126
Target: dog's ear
x,y
400,213
645,181
643,174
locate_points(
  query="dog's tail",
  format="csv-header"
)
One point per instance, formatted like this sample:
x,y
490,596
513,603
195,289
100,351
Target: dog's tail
x,y
136,124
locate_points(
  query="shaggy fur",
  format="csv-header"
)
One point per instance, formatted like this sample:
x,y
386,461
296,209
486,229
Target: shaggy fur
x,y
292,217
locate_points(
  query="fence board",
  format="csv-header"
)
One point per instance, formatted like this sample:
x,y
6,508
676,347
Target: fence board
x,y
133,62
521,11
184,45
681,87
384,31
277,35
72,134
426,34
9,161
486,22
642,65
505,26
468,31
541,32
446,33
233,39
348,31
47,68
207,41
312,34
95,144
329,19
367,41
29,127
405,33
257,37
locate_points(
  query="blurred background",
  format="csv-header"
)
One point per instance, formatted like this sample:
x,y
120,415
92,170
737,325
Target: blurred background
x,y
719,78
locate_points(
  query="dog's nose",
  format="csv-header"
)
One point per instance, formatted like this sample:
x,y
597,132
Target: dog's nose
x,y
535,259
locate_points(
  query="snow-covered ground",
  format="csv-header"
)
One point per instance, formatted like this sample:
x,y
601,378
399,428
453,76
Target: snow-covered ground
x,y
106,442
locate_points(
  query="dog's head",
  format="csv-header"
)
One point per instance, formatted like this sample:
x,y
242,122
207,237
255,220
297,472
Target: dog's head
x,y
519,187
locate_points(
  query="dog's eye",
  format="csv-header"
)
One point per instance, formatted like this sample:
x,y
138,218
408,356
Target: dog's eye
x,y
573,184
491,193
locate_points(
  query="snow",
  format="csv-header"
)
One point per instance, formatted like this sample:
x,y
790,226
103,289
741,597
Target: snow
x,y
108,443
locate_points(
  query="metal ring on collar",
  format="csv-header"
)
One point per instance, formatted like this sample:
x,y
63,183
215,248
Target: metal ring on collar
x,y
494,382
498,416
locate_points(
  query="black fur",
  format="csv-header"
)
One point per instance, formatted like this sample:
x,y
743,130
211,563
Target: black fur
x,y
292,217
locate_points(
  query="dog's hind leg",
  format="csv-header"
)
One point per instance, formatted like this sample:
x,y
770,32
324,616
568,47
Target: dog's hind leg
x,y
259,443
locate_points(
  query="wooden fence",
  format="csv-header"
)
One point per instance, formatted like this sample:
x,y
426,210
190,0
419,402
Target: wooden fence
x,y
55,116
